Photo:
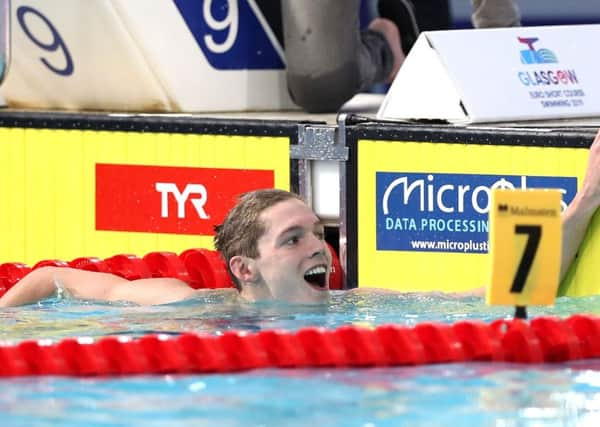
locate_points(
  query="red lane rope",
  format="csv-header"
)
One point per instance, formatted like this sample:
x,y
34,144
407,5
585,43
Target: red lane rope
x,y
544,339
199,268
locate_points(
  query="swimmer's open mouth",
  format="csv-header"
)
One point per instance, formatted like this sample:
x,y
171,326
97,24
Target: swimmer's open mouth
x,y
317,276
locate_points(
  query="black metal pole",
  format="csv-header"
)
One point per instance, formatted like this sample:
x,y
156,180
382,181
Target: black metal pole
x,y
520,312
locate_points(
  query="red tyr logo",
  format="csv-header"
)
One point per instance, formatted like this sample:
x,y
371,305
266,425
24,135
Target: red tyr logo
x,y
168,199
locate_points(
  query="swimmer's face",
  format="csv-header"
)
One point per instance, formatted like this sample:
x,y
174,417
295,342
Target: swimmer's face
x,y
294,261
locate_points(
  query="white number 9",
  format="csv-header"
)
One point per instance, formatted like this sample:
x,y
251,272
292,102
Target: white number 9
x,y
230,21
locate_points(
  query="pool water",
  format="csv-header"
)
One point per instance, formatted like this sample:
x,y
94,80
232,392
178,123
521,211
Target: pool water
x,y
434,395
216,311
472,394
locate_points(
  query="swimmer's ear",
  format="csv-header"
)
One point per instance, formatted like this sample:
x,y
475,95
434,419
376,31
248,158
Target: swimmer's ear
x,y
244,269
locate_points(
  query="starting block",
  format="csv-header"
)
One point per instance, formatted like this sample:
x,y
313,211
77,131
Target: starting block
x,y
144,55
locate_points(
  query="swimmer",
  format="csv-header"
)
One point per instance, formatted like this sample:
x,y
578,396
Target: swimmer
x,y
272,242
274,248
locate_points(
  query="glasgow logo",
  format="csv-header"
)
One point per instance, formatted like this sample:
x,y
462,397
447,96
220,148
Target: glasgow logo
x,y
533,56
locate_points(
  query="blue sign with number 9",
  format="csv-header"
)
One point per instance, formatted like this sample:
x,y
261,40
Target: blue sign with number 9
x,y
56,44
230,34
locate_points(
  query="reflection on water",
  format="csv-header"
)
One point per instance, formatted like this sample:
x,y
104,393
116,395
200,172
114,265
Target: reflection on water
x,y
474,394
215,311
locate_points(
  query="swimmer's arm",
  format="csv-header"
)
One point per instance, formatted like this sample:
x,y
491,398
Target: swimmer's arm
x,y
34,286
42,282
575,221
578,214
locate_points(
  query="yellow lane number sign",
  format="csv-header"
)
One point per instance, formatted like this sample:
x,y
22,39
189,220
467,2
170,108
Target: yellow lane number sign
x,y
525,247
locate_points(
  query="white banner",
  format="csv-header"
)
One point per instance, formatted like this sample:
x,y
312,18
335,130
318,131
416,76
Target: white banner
x,y
496,75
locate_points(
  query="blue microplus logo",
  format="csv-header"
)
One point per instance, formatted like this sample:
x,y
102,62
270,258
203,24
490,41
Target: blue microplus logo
x,y
417,208
531,55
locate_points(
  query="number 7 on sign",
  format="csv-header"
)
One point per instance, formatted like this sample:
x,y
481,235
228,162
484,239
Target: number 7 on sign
x,y
534,233
525,247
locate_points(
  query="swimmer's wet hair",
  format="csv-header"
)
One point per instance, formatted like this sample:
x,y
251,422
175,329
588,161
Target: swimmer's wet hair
x,y
242,227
